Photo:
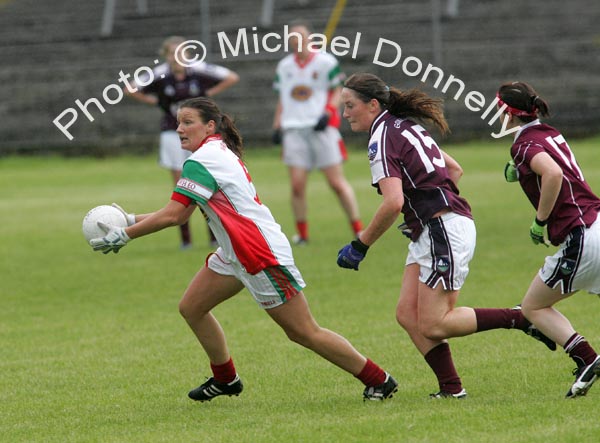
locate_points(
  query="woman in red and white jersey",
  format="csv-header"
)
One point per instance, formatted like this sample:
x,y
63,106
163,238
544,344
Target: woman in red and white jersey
x,y
567,209
253,253
416,178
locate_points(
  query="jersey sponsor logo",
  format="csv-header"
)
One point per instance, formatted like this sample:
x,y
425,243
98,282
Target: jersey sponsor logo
x,y
301,93
194,188
186,184
372,151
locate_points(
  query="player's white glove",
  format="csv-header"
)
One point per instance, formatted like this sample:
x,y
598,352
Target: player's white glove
x,y
129,217
114,239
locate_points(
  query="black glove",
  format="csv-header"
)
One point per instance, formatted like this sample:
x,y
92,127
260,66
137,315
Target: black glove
x,y
322,123
276,137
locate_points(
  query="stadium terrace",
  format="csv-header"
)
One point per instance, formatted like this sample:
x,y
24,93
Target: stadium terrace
x,y
413,67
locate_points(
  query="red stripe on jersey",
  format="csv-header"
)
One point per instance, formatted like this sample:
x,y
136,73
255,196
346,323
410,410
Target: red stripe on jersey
x,y
249,244
183,199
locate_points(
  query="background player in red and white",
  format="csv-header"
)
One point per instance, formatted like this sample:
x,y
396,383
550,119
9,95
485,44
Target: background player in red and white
x,y
306,121
565,205
172,83
416,178
253,253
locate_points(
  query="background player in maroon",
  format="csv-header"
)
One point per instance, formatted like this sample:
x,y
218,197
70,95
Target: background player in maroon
x,y
417,178
565,205
172,83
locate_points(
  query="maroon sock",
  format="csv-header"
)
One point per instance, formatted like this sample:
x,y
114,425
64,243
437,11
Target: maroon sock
x,y
580,350
371,374
440,361
186,238
494,318
224,373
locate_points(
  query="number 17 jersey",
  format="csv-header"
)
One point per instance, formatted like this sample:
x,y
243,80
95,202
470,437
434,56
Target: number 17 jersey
x,y
401,148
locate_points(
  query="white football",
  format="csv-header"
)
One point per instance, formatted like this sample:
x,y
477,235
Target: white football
x,y
106,214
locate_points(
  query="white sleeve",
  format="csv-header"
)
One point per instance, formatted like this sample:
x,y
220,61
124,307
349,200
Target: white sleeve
x,y
216,71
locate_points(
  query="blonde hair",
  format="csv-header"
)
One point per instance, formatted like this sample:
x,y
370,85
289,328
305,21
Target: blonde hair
x,y
169,41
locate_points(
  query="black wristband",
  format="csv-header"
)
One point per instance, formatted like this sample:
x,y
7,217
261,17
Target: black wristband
x,y
541,223
359,246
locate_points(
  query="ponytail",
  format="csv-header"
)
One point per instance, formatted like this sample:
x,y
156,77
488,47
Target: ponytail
x,y
412,103
522,101
416,104
231,136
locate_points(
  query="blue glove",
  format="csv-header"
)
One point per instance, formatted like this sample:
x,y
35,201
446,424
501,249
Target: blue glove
x,y
352,254
322,123
536,232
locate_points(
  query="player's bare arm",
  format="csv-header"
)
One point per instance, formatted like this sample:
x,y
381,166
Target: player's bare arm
x,y
388,211
148,99
552,176
173,214
455,171
277,116
231,79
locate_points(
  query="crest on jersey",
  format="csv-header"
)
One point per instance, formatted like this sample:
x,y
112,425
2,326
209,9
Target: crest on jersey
x,y
397,123
169,91
442,264
567,266
372,151
301,93
194,88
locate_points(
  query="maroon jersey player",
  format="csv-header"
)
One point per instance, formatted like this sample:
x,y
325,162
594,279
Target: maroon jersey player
x,y
565,205
416,178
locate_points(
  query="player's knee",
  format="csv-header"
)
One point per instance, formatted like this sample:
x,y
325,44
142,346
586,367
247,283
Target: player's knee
x,y
406,320
190,311
184,308
432,330
298,191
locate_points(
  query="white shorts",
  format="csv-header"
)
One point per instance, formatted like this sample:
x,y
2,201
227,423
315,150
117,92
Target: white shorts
x,y
309,149
443,251
271,287
171,156
576,265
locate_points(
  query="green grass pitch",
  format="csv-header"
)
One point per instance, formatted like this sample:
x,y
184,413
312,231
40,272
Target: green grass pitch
x,y
92,348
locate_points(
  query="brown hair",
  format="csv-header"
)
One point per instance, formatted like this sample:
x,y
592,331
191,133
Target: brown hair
x,y
208,110
411,103
522,96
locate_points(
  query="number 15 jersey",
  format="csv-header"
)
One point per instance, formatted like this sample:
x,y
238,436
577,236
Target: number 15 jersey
x,y
401,148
